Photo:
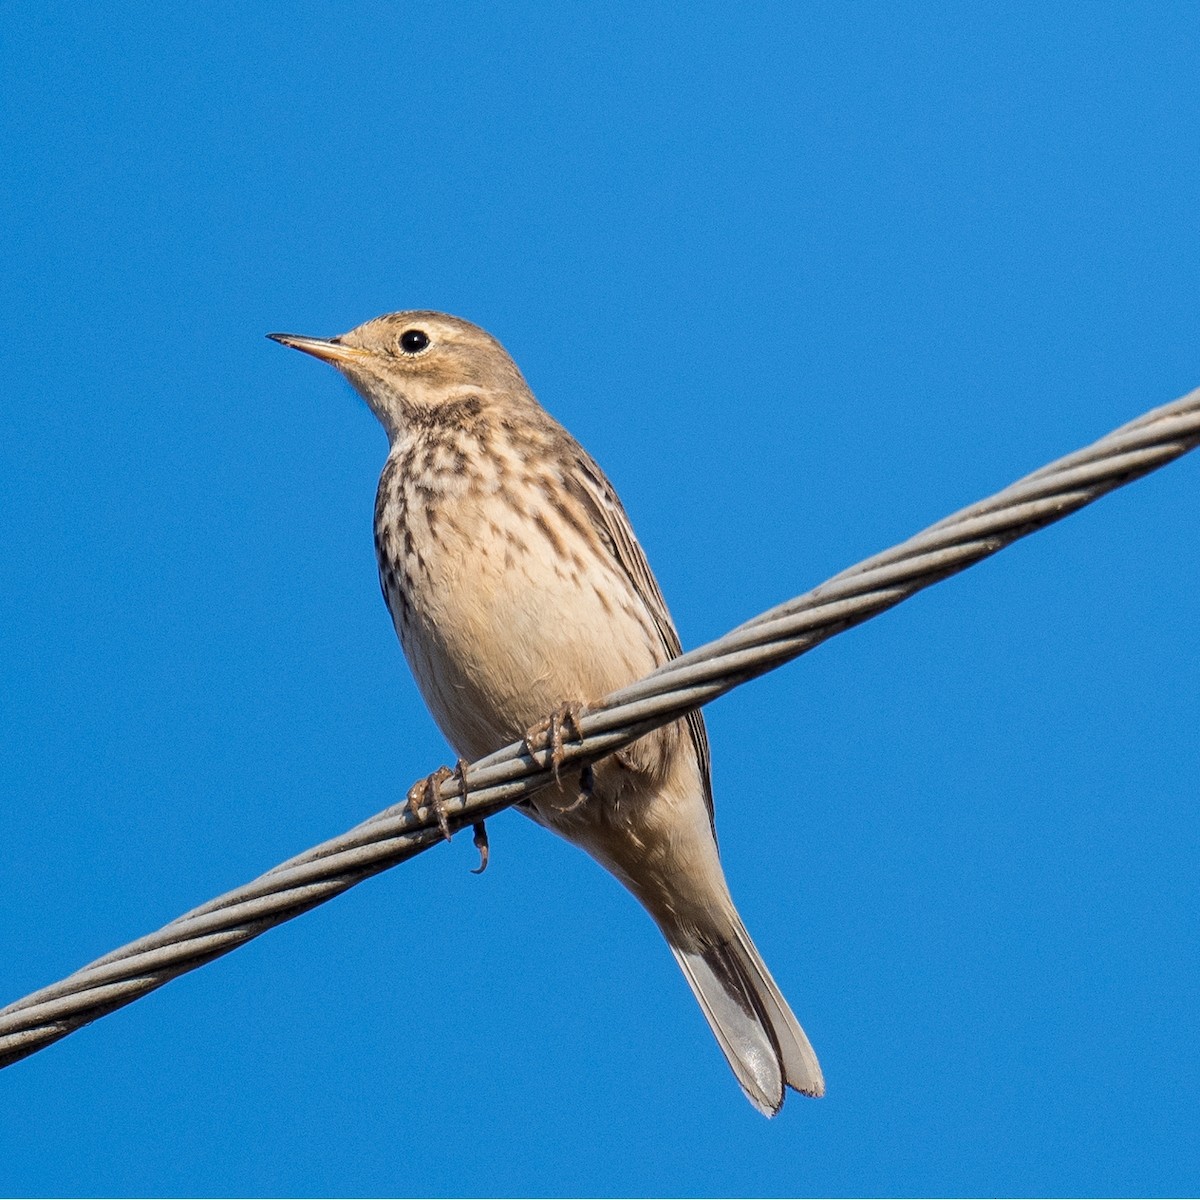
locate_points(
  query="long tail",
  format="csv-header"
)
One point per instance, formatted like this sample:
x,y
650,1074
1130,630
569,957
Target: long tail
x,y
755,1028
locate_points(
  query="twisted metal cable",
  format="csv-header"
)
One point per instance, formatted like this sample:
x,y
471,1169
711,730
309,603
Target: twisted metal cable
x,y
501,779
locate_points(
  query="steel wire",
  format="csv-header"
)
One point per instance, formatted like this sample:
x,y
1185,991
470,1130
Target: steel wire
x,y
508,775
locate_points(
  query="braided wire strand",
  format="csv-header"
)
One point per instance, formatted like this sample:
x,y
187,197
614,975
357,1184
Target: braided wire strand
x,y
514,772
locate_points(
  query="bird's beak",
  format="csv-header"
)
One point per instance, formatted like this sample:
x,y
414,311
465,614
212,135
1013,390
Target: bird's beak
x,y
329,350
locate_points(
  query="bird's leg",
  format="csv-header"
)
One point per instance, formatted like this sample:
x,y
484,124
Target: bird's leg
x,y
425,794
548,738
479,829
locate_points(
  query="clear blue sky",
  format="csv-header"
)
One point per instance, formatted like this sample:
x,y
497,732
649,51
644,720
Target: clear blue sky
x,y
804,278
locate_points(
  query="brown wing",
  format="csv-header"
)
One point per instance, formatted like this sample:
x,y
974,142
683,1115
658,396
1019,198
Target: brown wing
x,y
604,507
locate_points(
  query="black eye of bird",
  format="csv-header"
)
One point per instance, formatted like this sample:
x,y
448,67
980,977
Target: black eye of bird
x,y
413,341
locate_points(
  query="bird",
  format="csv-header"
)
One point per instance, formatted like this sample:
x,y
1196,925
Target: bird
x,y
518,590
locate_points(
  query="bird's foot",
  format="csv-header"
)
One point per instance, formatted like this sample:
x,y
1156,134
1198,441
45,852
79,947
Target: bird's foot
x,y
426,793
548,737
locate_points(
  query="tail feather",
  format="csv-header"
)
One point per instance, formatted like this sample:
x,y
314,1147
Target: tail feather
x,y
801,1070
752,1022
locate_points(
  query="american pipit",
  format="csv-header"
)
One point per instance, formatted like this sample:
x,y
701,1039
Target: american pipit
x,y
515,584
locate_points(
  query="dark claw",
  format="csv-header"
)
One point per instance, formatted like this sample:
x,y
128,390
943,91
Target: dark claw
x,y
481,844
587,788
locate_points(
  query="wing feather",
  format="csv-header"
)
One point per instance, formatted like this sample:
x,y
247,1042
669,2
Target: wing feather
x,y
607,514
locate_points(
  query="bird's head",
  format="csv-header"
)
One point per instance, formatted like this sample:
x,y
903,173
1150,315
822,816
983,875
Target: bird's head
x,y
407,365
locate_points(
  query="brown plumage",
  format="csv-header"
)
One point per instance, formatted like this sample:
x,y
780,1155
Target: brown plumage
x,y
516,584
